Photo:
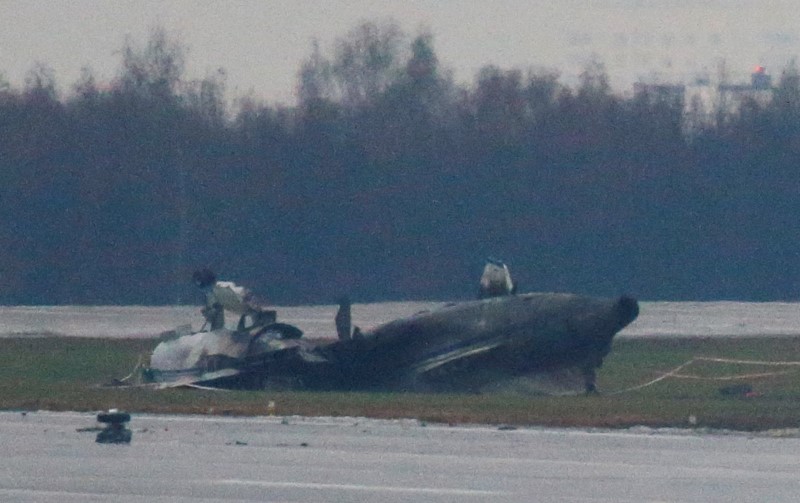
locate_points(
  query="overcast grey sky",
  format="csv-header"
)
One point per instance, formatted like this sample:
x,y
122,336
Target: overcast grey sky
x,y
261,44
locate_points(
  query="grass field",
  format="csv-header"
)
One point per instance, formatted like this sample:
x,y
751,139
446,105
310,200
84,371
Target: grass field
x,y
68,373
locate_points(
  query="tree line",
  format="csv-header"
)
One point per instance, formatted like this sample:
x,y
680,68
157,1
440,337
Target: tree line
x,y
389,181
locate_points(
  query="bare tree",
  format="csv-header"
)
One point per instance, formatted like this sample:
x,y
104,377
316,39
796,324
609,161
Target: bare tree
x,y
315,78
367,62
155,70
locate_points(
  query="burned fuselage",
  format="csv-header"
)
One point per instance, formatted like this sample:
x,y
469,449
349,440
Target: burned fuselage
x,y
469,345
462,346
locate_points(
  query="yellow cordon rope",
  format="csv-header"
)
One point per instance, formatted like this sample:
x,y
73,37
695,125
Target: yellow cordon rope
x,y
744,362
675,372
733,377
657,379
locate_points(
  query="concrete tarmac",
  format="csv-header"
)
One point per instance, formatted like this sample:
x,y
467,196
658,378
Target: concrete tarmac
x,y
45,458
656,319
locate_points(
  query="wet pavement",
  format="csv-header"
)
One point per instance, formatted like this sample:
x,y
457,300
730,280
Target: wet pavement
x,y
46,457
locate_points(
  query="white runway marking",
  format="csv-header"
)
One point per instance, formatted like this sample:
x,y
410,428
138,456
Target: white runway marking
x,y
359,487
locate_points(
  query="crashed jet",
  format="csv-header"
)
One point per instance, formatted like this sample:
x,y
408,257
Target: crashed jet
x,y
465,346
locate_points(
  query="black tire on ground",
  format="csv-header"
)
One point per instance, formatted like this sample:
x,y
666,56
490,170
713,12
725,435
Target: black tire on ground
x,y
113,417
114,436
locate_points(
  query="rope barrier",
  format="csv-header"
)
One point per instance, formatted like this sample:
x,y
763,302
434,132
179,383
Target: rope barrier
x,y
650,383
733,377
675,372
746,362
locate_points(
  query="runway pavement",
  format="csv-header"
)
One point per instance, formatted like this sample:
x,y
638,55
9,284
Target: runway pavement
x,y
44,457
656,319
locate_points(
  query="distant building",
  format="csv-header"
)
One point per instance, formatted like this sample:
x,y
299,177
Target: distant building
x,y
667,41
707,102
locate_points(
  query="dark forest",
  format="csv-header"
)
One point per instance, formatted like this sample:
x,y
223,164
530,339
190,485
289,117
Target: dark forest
x,y
388,181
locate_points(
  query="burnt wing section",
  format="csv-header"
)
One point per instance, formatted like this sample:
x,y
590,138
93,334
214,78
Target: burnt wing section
x,y
470,345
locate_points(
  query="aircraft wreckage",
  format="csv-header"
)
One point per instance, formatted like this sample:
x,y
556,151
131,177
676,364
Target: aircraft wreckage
x,y
463,346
